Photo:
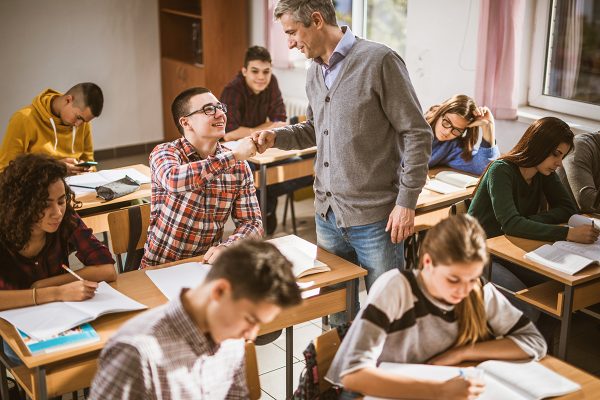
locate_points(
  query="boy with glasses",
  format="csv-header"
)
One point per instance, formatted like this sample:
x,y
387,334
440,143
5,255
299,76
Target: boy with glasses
x,y
197,184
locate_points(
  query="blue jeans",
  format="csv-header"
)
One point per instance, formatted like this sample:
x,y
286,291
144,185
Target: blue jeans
x,y
369,246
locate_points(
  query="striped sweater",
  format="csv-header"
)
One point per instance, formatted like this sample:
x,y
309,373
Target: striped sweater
x,y
402,323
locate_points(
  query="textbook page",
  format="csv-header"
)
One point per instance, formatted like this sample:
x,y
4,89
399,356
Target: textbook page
x,y
171,280
556,258
301,253
47,320
532,378
457,179
494,390
591,251
87,182
442,187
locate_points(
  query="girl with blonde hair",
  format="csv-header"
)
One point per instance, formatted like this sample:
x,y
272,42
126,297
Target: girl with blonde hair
x,y
441,313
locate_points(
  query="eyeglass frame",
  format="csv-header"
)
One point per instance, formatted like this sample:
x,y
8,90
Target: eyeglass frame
x,y
446,123
217,106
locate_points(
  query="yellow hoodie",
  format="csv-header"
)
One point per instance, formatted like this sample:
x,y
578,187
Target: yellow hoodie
x,y
34,129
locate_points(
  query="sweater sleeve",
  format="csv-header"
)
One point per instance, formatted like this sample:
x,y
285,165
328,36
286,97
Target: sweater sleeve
x,y
578,168
298,136
88,144
501,184
560,203
15,140
482,156
505,320
401,106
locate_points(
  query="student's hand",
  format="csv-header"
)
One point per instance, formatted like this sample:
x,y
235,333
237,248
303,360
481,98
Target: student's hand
x,y
583,234
485,119
461,389
263,140
211,255
245,149
401,223
73,169
77,291
450,357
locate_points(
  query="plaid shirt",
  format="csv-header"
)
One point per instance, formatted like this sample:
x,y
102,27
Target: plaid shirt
x,y
244,108
162,355
192,199
18,272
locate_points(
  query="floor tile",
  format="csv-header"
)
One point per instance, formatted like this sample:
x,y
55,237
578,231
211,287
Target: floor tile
x,y
274,382
265,396
270,357
302,337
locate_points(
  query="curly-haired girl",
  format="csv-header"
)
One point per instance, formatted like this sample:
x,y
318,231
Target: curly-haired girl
x,y
38,232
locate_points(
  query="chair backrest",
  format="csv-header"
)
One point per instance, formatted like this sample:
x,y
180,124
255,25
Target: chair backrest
x,y
461,207
252,379
326,345
128,229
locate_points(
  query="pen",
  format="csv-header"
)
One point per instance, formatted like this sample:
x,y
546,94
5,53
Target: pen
x,y
69,270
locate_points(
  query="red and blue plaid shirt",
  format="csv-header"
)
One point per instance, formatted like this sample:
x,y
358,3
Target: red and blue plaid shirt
x,y
192,198
244,108
19,272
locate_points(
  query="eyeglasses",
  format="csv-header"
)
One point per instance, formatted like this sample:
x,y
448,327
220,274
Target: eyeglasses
x,y
209,109
453,130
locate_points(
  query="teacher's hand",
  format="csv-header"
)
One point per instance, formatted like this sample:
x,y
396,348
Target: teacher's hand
x,y
401,223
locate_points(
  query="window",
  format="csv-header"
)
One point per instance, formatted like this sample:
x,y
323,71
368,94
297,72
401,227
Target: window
x,y
565,68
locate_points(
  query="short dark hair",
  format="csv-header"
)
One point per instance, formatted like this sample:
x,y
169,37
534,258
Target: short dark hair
x,y
256,53
181,104
257,271
88,94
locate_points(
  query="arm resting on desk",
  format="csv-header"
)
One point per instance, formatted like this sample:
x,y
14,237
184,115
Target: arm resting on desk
x,y
502,349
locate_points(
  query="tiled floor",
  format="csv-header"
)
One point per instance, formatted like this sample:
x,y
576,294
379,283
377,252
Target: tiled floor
x,y
584,348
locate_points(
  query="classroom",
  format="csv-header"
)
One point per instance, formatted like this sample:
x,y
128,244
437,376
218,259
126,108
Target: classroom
x,y
300,199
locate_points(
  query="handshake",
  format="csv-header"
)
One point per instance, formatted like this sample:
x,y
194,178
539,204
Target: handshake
x,y
258,141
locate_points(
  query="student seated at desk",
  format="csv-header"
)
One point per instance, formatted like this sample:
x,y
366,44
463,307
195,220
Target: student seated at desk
x,y
197,184
580,172
455,124
38,232
441,313
55,124
508,199
187,349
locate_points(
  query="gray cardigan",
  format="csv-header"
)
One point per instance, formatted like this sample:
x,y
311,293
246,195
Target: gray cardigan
x,y
373,143
581,172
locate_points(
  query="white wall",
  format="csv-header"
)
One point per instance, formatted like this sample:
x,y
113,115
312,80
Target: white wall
x,y
58,43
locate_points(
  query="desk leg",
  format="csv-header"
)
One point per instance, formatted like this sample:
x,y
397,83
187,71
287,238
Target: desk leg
x,y
263,196
351,300
289,362
40,376
565,322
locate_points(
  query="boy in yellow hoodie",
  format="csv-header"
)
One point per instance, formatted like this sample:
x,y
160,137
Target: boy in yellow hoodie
x,y
55,124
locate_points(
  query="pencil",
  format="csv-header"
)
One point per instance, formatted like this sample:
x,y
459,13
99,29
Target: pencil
x,y
69,270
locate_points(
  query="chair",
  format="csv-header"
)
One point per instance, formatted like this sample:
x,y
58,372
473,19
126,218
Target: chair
x,y
128,229
326,345
252,379
460,207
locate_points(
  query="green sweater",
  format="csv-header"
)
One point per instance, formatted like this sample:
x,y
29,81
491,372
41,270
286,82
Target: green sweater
x,y
505,204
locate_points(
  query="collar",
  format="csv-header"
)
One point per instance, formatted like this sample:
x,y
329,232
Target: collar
x,y
342,49
182,323
189,150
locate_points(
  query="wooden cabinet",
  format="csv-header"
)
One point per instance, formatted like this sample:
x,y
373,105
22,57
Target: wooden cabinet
x,y
202,43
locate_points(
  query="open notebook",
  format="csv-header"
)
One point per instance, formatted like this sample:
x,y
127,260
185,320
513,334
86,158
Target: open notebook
x,y
568,257
301,253
171,280
87,182
447,182
47,320
503,380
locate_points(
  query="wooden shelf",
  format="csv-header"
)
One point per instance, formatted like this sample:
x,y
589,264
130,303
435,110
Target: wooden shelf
x,y
548,296
181,13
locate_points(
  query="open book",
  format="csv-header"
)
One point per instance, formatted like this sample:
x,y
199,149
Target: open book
x,y
171,280
87,182
47,320
75,337
568,257
503,380
447,182
301,253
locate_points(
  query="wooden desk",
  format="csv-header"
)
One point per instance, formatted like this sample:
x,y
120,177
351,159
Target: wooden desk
x,y
560,296
97,220
48,375
268,174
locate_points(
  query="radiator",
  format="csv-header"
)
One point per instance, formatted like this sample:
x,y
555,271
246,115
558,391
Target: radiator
x,y
295,107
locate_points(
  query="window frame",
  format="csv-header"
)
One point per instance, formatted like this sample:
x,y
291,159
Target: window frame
x,y
539,65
